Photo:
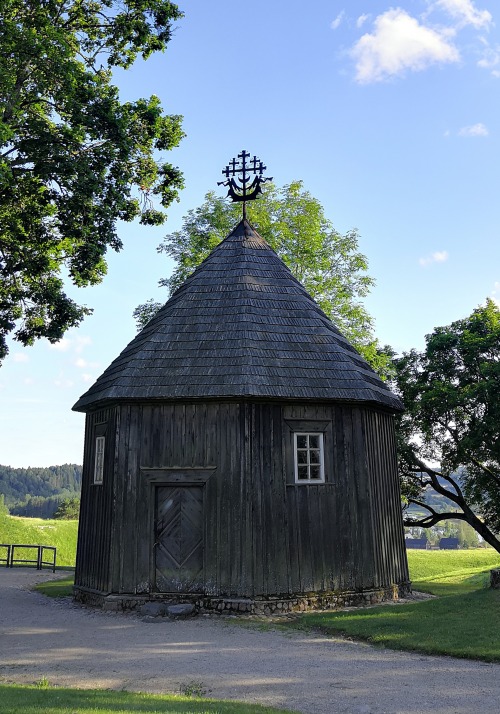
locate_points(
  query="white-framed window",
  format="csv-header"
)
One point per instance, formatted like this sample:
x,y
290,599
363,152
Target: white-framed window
x,y
309,457
99,459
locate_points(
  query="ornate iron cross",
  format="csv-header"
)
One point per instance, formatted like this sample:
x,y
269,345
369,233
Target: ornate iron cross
x,y
241,187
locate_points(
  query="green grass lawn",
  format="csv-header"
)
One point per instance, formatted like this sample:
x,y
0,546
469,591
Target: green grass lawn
x,y
42,699
62,587
463,621
451,572
37,531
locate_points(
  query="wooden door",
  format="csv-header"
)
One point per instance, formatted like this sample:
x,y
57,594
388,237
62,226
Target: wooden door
x,y
178,545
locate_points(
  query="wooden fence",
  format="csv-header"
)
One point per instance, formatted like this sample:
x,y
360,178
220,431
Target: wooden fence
x,y
30,555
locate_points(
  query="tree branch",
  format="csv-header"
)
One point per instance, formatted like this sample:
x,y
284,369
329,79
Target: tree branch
x,y
433,518
486,470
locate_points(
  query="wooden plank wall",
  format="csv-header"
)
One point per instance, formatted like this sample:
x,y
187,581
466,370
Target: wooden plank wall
x,y
264,534
388,531
96,512
330,524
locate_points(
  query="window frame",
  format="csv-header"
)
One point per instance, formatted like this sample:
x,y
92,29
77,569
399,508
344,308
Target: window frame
x,y
99,460
309,480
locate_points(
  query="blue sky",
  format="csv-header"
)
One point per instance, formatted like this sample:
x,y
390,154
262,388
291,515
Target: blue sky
x,y
390,116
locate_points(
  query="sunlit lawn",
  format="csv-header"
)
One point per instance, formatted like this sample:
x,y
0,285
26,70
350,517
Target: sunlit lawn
x,y
464,621
42,699
38,531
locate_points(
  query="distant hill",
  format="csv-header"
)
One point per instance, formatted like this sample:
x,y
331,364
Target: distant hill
x,y
438,502
37,491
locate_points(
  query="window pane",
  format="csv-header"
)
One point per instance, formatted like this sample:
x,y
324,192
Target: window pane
x,y
302,472
315,473
302,457
314,456
314,441
302,441
99,459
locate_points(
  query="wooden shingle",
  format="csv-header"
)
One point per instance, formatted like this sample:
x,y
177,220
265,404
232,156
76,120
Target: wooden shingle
x,y
240,326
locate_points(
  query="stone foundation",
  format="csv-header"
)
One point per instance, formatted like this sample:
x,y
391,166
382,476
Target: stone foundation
x,y
278,605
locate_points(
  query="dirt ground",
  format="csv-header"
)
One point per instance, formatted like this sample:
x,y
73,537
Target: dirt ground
x,y
75,646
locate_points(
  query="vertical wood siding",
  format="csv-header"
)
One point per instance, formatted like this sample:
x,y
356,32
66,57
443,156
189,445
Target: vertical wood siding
x,y
263,534
96,512
388,532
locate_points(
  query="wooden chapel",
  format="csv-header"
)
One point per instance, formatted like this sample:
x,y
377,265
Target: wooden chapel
x,y
240,454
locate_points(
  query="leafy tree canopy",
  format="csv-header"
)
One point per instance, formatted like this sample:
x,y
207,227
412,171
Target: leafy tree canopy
x,y
19,484
74,159
4,511
68,509
451,392
293,222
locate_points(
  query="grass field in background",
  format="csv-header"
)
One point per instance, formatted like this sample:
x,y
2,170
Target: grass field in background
x,y
37,531
44,699
463,621
451,572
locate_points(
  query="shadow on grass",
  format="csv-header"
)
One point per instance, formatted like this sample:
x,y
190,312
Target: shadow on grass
x,y
457,625
18,699
62,587
452,584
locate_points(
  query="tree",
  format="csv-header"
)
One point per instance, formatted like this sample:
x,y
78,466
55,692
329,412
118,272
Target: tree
x,y
74,159
450,432
327,263
68,509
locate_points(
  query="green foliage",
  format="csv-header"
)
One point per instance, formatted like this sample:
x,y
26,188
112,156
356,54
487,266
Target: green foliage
x,y
465,623
68,509
194,688
452,397
4,511
35,531
74,160
23,699
36,507
37,491
292,221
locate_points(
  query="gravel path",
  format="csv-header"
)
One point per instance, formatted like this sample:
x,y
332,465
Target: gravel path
x,y
80,647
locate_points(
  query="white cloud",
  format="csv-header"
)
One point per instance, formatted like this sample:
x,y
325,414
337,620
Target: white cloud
x,y
81,342
495,293
85,364
61,346
87,378
491,60
399,43
474,130
63,382
362,19
75,344
466,13
440,256
338,20
29,381
20,357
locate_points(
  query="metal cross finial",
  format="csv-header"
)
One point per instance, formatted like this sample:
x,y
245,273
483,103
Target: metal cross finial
x,y
240,185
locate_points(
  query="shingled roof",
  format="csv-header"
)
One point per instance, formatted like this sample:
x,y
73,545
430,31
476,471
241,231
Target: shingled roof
x,y
240,326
